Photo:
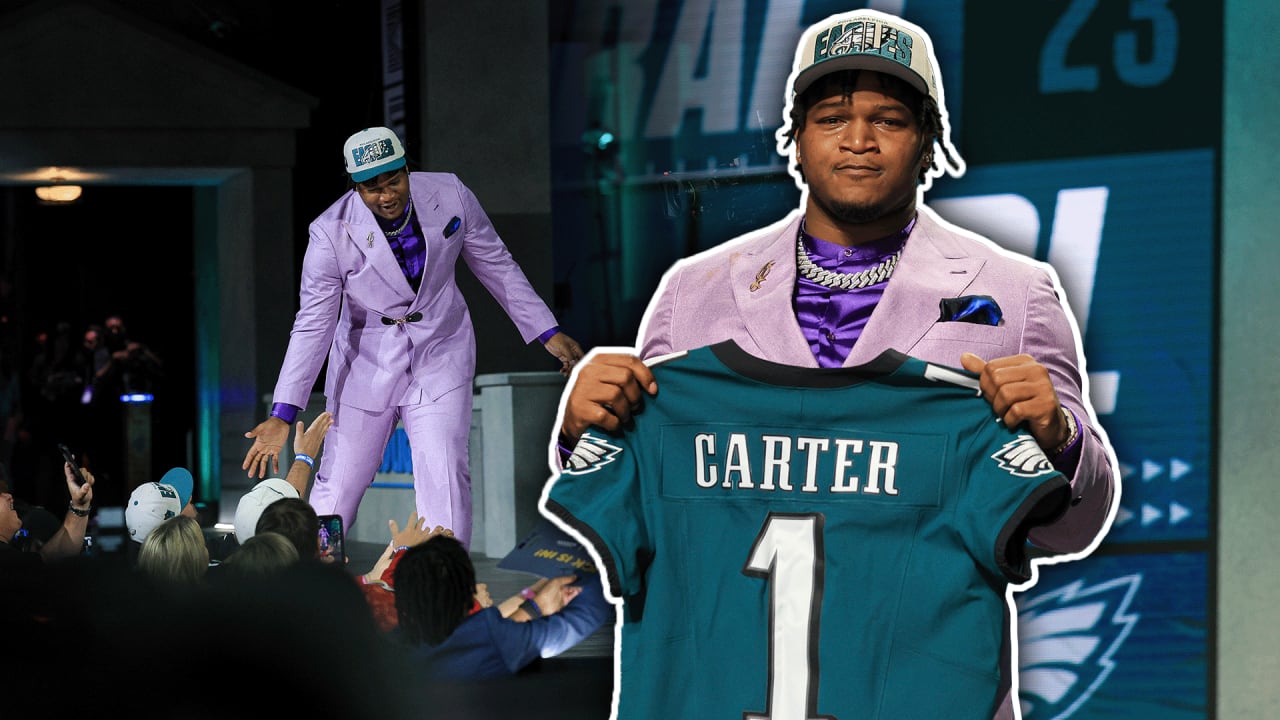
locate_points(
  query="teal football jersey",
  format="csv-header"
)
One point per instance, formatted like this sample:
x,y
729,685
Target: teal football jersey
x,y
797,543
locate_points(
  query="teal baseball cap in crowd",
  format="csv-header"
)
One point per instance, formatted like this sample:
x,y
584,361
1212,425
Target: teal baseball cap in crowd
x,y
152,503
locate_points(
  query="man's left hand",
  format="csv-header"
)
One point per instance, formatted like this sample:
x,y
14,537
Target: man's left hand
x,y
566,349
1020,391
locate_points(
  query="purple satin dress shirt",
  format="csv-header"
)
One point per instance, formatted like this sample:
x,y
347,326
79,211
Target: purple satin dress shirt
x,y
832,319
409,249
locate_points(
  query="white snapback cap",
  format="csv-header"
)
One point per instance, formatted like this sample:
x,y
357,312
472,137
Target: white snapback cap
x,y
255,501
371,152
866,40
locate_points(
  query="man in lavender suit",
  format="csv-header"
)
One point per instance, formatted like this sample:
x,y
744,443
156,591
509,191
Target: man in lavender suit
x,y
379,300
863,266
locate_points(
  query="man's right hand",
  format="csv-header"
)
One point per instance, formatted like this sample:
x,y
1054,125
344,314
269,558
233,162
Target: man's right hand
x,y
268,438
609,389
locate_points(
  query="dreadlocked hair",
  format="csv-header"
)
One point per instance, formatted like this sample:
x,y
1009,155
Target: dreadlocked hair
x,y
435,588
922,106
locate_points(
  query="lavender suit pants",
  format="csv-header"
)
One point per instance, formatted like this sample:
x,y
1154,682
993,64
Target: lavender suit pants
x,y
438,435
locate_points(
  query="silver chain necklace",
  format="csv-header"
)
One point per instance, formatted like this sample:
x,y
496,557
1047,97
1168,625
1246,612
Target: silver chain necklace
x,y
408,215
838,280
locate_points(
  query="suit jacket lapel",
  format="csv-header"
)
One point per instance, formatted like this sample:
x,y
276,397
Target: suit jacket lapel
x,y
763,277
432,221
932,267
365,234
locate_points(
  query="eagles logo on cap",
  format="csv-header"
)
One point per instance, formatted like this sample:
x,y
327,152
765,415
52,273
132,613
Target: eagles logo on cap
x,y
371,152
867,40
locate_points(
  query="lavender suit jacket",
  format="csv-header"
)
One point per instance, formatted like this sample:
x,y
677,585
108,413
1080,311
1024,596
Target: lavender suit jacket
x,y
351,281
709,297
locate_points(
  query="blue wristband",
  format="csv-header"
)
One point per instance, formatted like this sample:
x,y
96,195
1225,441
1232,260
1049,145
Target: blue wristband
x,y
536,611
310,461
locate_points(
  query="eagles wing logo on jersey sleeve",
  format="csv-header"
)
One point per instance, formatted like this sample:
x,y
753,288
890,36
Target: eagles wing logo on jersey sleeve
x,y
1066,640
590,454
1023,457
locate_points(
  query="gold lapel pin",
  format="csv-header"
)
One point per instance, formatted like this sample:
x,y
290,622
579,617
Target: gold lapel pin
x,y
760,276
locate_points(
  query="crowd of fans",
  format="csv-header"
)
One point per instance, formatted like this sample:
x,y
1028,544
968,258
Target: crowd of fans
x,y
179,623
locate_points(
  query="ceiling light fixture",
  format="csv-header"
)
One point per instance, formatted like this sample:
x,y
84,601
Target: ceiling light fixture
x,y
59,193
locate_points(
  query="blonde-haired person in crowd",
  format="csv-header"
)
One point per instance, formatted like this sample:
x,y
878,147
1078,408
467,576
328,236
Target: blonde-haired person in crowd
x,y
175,554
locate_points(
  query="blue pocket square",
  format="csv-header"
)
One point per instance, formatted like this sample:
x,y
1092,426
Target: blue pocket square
x,y
977,309
453,226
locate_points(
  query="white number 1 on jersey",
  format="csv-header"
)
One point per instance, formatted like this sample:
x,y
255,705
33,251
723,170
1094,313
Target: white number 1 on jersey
x,y
788,553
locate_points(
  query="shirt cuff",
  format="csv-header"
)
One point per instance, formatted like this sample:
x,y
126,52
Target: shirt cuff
x,y
564,448
544,337
285,412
